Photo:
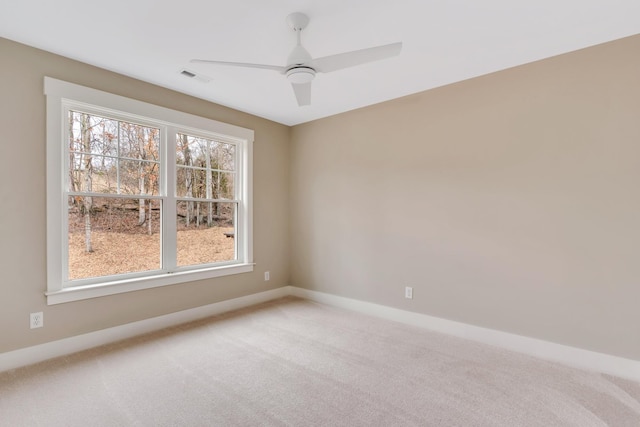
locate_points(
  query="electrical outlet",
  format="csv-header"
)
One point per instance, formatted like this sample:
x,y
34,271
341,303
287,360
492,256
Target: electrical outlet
x,y
267,276
408,292
36,320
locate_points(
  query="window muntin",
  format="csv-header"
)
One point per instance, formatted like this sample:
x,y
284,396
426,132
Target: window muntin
x,y
128,176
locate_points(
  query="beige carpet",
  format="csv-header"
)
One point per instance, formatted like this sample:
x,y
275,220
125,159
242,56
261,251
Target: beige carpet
x,y
296,363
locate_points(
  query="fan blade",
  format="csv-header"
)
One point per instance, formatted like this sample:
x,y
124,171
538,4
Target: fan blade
x,y
331,63
303,93
281,70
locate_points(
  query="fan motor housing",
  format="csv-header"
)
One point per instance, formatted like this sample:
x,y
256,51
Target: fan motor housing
x,y
300,75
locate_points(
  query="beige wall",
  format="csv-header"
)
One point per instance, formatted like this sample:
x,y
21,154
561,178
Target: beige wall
x,y
510,201
22,195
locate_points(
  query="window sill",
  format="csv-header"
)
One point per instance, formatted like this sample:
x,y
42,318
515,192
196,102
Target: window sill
x,y
78,293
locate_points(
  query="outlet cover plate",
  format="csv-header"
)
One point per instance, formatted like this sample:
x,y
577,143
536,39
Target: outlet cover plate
x,y
36,320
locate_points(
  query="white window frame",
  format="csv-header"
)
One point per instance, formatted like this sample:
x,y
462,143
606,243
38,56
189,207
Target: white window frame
x,y
62,96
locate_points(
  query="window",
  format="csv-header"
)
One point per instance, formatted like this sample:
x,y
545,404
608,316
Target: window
x,y
140,196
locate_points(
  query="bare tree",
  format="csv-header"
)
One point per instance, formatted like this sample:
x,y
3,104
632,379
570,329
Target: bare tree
x,y
72,167
142,155
85,134
208,183
188,179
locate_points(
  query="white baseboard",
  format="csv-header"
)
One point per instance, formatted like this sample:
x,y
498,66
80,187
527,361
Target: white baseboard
x,y
38,353
569,356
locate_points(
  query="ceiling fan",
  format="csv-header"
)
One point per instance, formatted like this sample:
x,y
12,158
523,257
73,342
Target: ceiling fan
x,y
301,68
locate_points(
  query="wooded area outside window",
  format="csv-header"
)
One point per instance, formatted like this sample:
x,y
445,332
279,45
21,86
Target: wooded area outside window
x,y
140,196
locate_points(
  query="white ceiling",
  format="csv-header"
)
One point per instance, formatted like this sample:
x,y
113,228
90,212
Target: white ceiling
x,y
444,41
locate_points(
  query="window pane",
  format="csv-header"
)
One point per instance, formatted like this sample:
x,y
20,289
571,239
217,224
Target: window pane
x,y
139,142
192,182
222,184
188,180
191,150
93,134
110,236
226,155
199,185
205,232
184,154
104,175
139,177
92,173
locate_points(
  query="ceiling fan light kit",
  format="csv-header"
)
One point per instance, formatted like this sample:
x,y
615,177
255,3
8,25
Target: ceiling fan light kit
x,y
300,75
301,68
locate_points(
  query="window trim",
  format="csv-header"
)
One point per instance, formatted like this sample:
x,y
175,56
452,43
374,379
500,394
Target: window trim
x,y
59,94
